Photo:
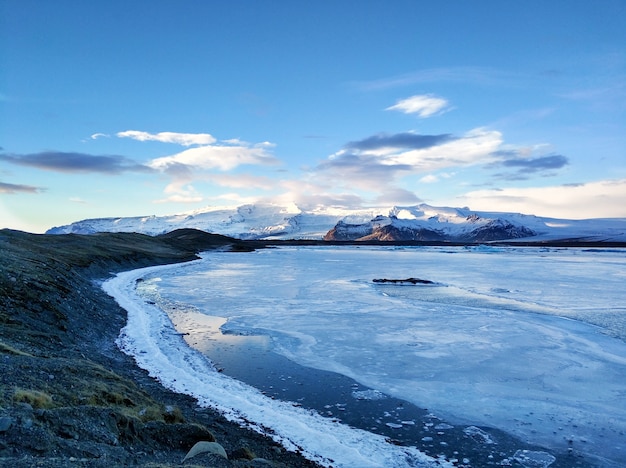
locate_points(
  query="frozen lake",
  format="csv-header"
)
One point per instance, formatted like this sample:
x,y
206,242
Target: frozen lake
x,y
530,341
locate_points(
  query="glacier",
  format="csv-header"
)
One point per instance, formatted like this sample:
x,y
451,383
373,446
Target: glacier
x,y
289,221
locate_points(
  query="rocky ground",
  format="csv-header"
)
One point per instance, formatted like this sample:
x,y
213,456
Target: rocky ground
x,y
68,396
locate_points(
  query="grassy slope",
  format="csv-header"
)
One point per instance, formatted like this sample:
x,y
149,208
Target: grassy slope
x,y
65,389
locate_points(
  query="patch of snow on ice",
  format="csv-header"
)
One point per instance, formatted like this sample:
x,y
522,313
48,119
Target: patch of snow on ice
x,y
533,459
368,395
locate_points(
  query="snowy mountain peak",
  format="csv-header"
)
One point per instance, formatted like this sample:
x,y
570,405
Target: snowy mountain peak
x,y
419,222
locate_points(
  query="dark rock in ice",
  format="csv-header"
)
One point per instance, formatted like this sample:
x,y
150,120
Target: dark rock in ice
x,y
403,281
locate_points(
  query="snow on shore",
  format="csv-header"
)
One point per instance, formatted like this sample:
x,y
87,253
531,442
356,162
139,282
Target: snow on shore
x,y
151,339
500,341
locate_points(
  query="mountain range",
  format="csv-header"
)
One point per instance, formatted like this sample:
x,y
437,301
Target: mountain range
x,y
399,223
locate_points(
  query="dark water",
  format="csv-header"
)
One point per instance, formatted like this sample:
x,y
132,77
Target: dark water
x,y
250,359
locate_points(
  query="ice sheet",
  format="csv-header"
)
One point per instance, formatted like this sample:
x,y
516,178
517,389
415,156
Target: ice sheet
x,y
493,344
150,337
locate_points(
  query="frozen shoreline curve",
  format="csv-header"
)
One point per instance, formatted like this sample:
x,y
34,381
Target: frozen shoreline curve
x,y
151,339
484,348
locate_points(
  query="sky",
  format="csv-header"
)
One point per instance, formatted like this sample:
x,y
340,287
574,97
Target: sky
x,y
115,108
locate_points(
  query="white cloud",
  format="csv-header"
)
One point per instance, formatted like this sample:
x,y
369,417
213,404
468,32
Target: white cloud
x,y
429,179
180,192
424,105
397,196
95,136
184,139
197,163
223,158
599,199
434,178
233,199
475,147
179,198
370,165
194,163
310,195
233,141
245,181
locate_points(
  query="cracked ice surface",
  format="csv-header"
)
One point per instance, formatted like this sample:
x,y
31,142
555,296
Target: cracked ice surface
x,y
493,343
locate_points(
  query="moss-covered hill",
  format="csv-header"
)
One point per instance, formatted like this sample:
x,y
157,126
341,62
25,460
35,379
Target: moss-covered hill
x,y
68,396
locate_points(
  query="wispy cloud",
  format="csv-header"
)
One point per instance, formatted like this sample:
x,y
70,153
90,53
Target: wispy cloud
x,y
609,96
383,160
380,163
555,161
181,190
523,117
429,179
599,199
77,200
424,105
419,153
11,189
524,167
184,139
405,140
397,196
310,193
180,194
234,199
358,170
475,75
242,181
75,162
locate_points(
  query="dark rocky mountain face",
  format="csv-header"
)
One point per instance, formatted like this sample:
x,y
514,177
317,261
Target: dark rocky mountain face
x,y
395,233
348,232
497,229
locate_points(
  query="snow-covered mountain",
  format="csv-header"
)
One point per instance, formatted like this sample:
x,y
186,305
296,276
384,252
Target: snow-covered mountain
x,y
420,222
262,221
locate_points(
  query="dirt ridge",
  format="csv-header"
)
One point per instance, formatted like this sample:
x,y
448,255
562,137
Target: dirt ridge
x,y
68,396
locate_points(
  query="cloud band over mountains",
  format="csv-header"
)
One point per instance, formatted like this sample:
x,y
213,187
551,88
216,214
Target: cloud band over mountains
x,y
406,140
7,188
376,164
382,158
60,161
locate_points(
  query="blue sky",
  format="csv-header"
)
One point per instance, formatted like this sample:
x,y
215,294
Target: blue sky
x,y
112,108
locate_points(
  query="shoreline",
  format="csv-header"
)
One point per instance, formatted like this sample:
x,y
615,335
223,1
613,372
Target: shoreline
x,y
68,395
250,359
321,440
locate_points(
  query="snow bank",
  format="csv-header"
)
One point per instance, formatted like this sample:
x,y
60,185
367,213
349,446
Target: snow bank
x,y
151,339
